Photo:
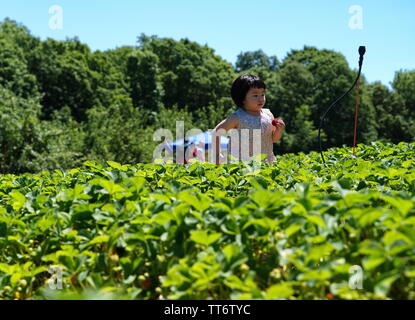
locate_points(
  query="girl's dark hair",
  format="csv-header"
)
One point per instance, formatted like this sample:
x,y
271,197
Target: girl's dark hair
x,y
241,86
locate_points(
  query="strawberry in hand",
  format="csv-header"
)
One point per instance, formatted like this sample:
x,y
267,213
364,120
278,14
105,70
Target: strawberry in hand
x,y
278,123
278,130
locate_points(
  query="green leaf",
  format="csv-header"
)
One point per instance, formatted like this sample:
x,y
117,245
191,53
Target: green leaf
x,y
248,285
99,239
160,218
92,165
38,270
15,278
383,286
203,237
258,182
6,268
369,216
231,251
199,202
45,223
316,220
116,165
279,291
240,201
18,200
373,262
292,229
353,198
409,232
162,197
111,186
319,275
410,273
393,236
370,247
402,205
320,251
265,223
109,207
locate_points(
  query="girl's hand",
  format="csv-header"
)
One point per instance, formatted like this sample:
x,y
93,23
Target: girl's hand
x,y
278,123
279,128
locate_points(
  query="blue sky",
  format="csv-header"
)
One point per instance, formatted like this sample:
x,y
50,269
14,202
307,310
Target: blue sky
x,y
233,26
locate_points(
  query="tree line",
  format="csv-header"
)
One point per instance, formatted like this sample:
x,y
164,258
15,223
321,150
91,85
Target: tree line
x,y
62,104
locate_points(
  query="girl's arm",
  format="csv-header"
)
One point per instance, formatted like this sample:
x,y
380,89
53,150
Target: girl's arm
x,y
226,124
277,131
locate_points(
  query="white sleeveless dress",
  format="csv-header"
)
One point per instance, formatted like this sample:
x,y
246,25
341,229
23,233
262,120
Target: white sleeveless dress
x,y
248,121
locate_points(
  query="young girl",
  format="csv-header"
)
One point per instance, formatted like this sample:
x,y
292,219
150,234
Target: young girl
x,y
248,93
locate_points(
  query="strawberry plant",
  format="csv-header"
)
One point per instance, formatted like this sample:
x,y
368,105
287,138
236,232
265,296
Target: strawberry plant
x,y
293,230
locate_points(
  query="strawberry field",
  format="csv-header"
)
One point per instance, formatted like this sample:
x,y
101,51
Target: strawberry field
x,y
294,229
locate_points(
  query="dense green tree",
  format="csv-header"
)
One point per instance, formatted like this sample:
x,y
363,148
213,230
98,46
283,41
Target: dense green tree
x,y
62,140
207,118
295,89
404,85
393,121
19,35
190,74
116,133
367,130
110,80
14,74
64,77
301,135
331,77
20,134
143,77
251,59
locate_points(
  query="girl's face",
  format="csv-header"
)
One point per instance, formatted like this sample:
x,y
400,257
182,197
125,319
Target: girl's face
x,y
254,99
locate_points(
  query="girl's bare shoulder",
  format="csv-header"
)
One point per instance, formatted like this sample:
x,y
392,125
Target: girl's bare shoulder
x,y
231,121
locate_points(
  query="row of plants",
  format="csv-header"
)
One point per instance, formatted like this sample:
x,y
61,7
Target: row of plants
x,y
293,229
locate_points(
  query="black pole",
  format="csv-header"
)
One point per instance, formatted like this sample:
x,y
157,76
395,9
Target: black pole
x,y
362,50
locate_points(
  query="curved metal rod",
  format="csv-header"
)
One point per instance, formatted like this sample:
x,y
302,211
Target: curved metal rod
x,y
362,51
